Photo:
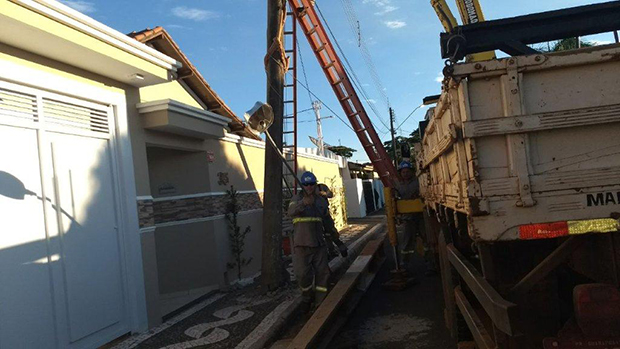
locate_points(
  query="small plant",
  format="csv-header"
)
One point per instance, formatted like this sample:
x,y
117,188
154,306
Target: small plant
x,y
235,235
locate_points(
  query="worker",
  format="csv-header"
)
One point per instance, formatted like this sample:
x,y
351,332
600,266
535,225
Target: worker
x,y
310,214
409,188
332,238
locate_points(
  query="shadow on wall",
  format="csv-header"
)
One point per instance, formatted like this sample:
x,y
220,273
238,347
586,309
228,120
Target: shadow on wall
x,y
192,236
62,248
337,204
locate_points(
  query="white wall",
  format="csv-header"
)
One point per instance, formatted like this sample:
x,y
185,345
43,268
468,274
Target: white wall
x,y
378,186
354,191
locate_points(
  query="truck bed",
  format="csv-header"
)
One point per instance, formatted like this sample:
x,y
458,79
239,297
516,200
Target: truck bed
x,y
528,140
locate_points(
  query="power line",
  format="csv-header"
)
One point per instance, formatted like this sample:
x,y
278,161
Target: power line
x,y
354,24
351,71
416,108
315,96
303,69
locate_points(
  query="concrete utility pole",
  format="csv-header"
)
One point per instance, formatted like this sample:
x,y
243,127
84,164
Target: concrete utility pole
x,y
393,131
275,65
316,105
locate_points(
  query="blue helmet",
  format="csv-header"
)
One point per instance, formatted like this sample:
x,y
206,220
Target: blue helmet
x,y
308,178
405,164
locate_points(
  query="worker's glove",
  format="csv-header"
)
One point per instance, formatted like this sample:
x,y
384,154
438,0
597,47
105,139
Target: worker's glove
x,y
308,200
323,194
344,252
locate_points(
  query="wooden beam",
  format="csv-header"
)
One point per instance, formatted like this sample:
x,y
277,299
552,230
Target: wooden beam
x,y
502,312
557,257
481,335
310,334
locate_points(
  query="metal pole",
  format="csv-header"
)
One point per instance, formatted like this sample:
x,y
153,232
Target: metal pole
x,y
616,36
272,266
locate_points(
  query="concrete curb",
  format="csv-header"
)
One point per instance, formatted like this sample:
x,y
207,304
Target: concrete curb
x,y
275,320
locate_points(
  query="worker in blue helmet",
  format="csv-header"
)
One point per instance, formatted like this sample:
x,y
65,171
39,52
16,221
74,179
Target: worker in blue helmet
x,y
409,188
311,219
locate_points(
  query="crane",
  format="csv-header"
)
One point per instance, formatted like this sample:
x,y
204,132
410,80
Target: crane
x,y
470,12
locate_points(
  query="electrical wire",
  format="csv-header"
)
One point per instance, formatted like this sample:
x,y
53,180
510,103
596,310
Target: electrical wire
x,y
416,108
325,105
306,76
315,96
355,80
350,71
354,24
303,69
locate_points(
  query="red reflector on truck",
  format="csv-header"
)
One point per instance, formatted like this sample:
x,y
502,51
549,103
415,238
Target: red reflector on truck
x,y
543,231
557,229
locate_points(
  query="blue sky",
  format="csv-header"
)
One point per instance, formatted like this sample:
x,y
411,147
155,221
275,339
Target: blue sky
x,y
225,40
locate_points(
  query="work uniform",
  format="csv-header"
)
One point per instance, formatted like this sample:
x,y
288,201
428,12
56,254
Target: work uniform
x,y
330,233
412,221
310,259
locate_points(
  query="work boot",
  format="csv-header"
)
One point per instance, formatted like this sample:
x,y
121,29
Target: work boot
x,y
319,296
305,307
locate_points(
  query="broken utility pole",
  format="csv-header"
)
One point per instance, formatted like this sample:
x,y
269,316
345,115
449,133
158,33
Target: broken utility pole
x,y
275,65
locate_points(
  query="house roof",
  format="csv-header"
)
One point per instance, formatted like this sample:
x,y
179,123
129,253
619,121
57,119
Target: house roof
x,y
160,40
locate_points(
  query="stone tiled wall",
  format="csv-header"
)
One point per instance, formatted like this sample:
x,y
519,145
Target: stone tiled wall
x,y
145,213
174,210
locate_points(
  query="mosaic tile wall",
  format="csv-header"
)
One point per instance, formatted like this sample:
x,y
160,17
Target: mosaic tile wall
x,y
174,210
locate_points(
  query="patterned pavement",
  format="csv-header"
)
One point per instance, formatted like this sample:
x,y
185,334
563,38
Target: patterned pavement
x,y
232,319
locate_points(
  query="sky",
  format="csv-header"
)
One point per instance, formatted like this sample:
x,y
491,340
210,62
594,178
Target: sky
x,y
226,41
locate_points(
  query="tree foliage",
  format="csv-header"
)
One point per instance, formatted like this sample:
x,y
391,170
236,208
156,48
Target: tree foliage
x,y
563,45
343,151
402,142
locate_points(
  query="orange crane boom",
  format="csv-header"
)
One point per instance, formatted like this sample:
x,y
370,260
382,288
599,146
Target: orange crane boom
x,y
329,61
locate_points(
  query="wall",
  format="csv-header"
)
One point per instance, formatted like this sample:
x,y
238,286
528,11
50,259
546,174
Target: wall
x,y
356,206
327,172
27,69
183,204
355,196
170,90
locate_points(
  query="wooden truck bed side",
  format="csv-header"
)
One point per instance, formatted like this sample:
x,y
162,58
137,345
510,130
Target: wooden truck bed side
x,y
527,140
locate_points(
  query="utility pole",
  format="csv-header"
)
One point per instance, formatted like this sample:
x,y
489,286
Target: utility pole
x,y
275,66
316,105
393,131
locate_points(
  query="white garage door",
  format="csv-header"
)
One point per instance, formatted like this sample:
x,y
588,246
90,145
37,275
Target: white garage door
x,y
62,283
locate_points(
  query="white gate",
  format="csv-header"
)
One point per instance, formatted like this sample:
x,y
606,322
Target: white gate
x,y
62,279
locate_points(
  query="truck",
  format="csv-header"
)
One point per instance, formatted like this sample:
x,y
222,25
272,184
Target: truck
x,y
519,170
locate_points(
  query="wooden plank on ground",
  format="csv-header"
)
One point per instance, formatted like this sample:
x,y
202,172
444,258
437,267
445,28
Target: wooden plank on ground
x,y
337,296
